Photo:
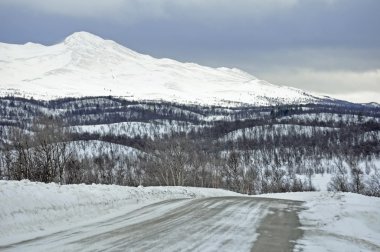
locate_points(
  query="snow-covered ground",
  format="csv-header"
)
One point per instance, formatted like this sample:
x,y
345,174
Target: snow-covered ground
x,y
330,221
319,181
268,131
337,221
133,129
86,65
92,148
31,209
323,117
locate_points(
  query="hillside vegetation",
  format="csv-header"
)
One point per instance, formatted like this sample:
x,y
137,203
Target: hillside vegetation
x,y
249,149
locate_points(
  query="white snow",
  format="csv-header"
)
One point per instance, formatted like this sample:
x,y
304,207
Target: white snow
x,y
319,181
86,65
337,221
30,209
323,117
268,131
132,129
93,148
330,221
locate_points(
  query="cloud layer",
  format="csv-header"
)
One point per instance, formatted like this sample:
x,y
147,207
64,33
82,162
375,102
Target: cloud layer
x,y
148,9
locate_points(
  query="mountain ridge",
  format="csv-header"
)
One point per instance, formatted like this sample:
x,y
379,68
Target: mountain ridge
x,y
84,64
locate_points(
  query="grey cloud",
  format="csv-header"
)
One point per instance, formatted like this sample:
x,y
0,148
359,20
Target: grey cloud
x,y
147,9
334,82
223,25
69,7
346,73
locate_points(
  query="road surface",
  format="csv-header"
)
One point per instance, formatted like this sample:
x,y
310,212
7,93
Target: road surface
x,y
207,224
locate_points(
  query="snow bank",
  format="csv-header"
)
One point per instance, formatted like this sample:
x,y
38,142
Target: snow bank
x,y
37,208
337,221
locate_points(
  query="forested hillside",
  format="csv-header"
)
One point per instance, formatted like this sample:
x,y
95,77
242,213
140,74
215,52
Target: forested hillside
x,y
248,149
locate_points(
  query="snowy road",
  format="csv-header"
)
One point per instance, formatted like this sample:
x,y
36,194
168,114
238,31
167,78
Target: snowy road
x,y
207,224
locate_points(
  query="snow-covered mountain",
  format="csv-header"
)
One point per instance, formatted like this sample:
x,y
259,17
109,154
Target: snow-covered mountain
x,y
87,65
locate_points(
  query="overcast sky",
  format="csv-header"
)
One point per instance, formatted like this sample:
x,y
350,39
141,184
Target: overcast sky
x,y
327,46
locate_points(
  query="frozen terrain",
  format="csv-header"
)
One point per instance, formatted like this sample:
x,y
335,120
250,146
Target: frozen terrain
x,y
86,65
337,221
33,208
49,217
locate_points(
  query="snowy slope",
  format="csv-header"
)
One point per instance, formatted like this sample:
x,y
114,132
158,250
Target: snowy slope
x,y
86,65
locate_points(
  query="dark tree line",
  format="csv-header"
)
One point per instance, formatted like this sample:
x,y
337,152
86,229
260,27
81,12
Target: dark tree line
x,y
267,156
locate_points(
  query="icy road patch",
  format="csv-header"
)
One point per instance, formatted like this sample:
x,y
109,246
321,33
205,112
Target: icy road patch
x,y
206,224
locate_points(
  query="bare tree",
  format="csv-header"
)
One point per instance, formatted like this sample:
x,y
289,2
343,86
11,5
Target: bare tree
x,y
339,182
50,147
171,161
357,175
40,154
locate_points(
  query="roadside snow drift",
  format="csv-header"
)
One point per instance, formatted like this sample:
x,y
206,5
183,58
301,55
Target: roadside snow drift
x,y
38,208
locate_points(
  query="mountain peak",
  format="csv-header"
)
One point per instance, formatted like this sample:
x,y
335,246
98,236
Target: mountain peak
x,y
82,37
87,65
